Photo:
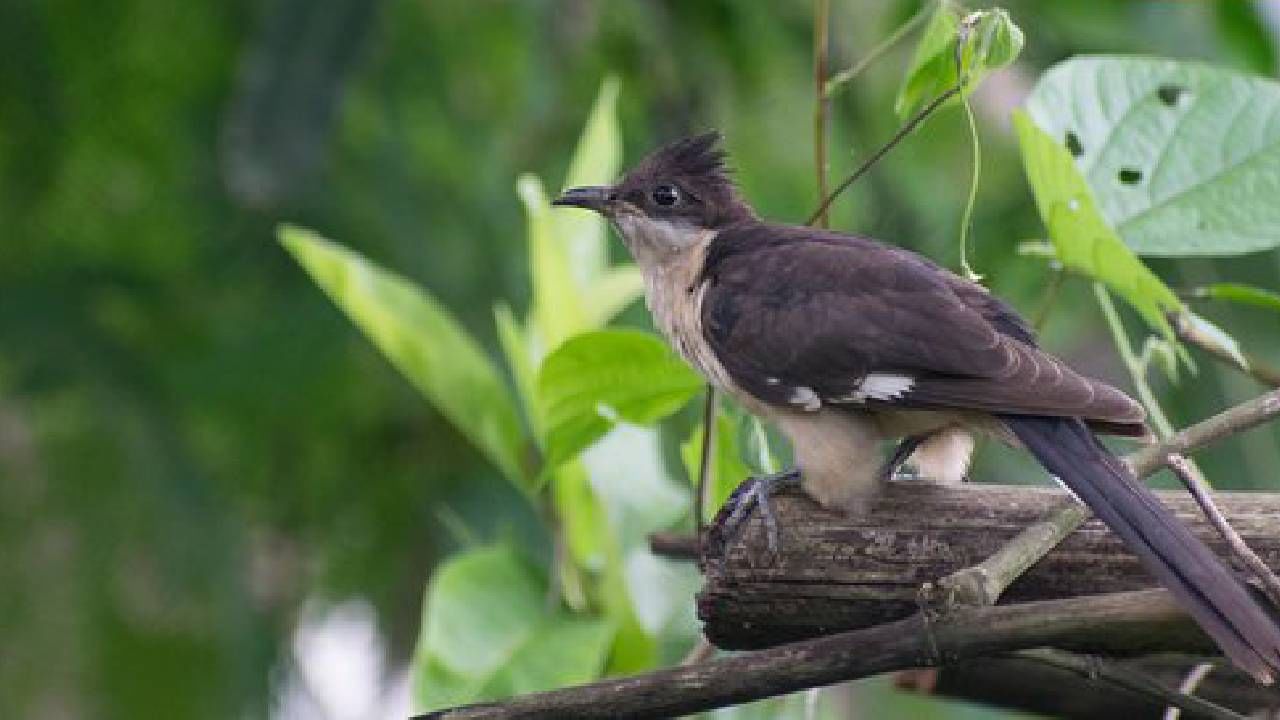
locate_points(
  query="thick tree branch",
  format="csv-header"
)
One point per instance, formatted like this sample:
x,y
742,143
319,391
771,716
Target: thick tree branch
x,y
1145,621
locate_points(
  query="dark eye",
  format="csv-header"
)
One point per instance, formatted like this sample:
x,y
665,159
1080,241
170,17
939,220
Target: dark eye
x,y
666,195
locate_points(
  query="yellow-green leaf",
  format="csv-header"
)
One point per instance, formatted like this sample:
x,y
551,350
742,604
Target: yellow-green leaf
x,y
1084,241
423,341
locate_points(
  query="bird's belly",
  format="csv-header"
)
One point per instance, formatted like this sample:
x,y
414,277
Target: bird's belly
x,y
903,423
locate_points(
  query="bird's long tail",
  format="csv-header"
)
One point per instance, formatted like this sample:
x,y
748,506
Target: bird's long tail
x,y
1202,584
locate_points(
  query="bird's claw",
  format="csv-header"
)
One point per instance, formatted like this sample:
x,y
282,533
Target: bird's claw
x,y
751,493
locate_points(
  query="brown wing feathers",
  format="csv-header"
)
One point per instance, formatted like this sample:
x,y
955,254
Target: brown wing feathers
x,y
791,308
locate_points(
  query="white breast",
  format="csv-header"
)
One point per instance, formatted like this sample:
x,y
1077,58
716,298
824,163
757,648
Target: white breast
x,y
674,297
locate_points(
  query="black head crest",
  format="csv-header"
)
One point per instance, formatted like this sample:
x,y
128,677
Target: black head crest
x,y
696,166
699,156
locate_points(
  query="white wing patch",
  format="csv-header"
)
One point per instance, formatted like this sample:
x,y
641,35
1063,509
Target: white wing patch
x,y
879,386
806,398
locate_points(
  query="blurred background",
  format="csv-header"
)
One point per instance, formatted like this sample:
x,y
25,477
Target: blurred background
x,y
216,498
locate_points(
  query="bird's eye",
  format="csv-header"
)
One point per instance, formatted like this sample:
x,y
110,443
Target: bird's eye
x,y
666,195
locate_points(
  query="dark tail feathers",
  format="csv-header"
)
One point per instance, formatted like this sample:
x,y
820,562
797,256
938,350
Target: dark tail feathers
x,y
1223,606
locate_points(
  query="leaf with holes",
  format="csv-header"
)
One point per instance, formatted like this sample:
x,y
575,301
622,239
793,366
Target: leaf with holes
x,y
598,377
1183,158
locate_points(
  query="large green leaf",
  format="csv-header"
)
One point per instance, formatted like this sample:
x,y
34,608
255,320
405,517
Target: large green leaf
x,y
991,41
423,341
1183,158
598,377
1082,238
487,632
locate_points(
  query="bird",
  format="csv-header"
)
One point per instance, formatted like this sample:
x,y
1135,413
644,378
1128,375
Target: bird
x,y
843,342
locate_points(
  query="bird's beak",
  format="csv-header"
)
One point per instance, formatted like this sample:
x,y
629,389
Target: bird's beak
x,y
588,198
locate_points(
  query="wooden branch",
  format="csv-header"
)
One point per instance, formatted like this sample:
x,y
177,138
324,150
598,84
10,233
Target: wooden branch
x,y
1013,682
840,571
1146,621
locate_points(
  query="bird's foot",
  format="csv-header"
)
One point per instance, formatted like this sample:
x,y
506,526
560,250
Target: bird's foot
x,y
751,493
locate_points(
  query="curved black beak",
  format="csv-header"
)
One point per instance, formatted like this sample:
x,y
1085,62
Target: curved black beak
x,y
589,198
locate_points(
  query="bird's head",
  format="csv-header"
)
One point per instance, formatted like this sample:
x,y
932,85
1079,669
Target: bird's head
x,y
676,197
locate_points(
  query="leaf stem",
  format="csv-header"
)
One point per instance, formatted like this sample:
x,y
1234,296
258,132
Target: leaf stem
x,y
848,74
967,218
1137,369
821,36
903,131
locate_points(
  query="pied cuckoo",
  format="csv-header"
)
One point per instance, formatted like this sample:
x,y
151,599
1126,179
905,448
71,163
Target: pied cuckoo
x,y
843,343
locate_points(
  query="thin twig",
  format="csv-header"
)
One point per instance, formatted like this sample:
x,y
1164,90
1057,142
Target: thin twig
x,y
985,582
1237,419
1137,369
904,131
1095,668
1051,294
821,38
1188,686
847,75
1200,490
705,480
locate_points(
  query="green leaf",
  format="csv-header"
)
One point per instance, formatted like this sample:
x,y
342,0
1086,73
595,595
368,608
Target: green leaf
x,y
990,41
1241,294
585,525
728,469
557,312
1082,238
932,70
562,651
514,340
598,377
995,41
1183,158
487,632
595,162
423,341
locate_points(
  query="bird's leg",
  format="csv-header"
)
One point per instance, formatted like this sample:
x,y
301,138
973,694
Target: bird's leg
x,y
905,447
751,493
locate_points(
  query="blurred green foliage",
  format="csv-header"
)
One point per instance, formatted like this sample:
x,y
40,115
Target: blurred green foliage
x,y
193,441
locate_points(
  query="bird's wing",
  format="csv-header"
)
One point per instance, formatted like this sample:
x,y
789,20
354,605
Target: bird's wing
x,y
808,318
